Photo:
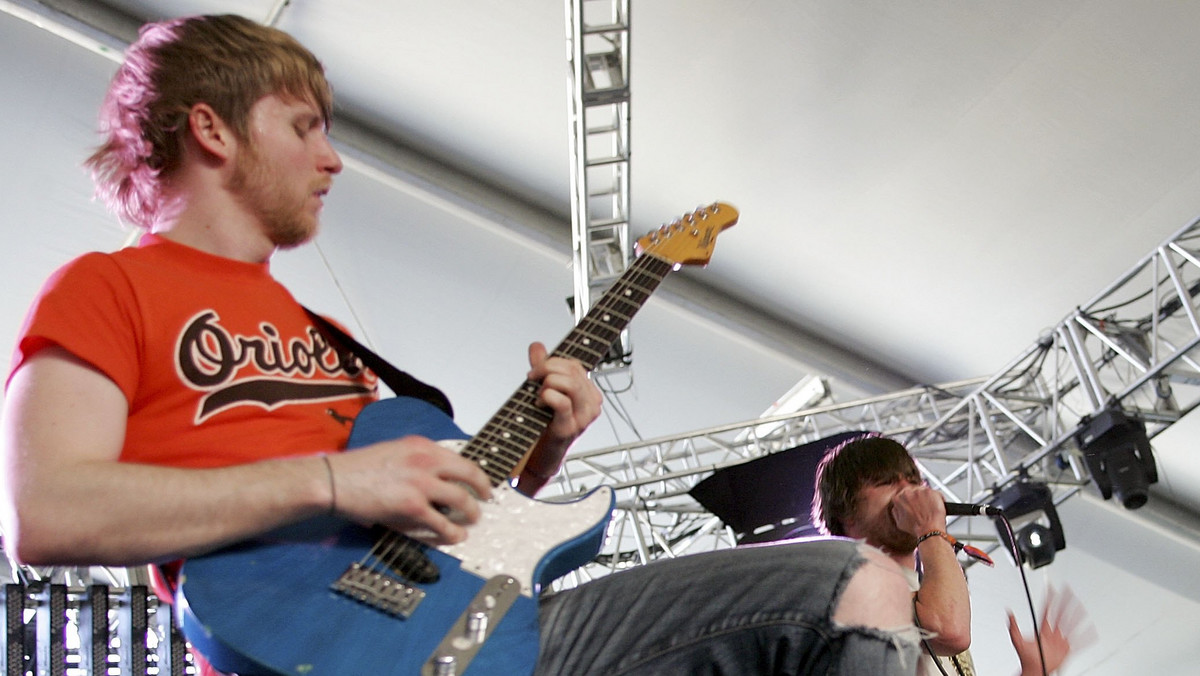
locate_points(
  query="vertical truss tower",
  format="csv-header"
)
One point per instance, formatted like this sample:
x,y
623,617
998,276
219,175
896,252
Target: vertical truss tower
x,y
598,51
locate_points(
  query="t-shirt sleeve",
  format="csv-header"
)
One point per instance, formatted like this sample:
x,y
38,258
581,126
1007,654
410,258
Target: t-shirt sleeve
x,y
87,308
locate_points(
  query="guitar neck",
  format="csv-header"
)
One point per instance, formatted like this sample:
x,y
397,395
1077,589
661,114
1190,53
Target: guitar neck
x,y
513,431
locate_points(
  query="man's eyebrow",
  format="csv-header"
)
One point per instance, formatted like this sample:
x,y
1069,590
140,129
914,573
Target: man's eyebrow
x,y
310,118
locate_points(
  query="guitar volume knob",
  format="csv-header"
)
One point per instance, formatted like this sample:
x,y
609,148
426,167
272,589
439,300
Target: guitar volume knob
x,y
477,626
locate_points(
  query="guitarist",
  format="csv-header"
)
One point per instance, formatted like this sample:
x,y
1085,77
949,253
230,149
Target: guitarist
x,y
173,398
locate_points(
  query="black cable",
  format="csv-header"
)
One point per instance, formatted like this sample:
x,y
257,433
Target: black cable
x,y
1161,282
1035,364
936,662
607,385
617,407
1037,634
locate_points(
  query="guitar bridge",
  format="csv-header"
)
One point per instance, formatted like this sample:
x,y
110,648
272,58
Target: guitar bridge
x,y
378,591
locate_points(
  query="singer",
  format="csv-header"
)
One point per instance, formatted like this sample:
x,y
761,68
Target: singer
x,y
870,489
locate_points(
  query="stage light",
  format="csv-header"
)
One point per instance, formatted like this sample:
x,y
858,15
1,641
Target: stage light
x,y
1118,455
1029,508
1036,544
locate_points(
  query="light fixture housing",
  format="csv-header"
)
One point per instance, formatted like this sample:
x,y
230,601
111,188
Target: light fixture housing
x,y
1029,508
1118,456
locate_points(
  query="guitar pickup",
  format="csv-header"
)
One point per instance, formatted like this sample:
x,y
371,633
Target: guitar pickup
x,y
378,590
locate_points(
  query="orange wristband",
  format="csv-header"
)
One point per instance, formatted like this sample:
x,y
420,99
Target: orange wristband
x,y
938,534
973,552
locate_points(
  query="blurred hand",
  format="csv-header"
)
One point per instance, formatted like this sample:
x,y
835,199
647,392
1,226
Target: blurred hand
x,y
1064,627
412,485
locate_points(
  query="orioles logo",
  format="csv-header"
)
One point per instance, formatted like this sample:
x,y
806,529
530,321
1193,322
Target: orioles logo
x,y
210,359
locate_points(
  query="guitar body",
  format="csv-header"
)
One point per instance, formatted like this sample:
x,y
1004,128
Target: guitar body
x,y
294,601
266,606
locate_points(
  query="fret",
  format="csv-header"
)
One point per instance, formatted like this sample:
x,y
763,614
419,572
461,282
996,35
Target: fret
x,y
401,572
508,447
509,434
582,354
515,429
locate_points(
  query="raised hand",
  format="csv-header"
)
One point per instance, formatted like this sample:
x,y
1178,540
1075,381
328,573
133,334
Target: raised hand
x,y
1064,627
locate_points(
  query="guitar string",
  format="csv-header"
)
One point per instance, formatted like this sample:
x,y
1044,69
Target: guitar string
x,y
405,556
399,553
499,438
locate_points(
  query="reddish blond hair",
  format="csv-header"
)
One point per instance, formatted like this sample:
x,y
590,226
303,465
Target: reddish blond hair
x,y
227,61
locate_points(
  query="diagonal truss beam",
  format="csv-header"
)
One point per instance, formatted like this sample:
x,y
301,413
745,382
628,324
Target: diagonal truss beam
x,y
1136,345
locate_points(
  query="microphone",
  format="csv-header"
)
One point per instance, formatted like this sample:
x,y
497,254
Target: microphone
x,y
963,509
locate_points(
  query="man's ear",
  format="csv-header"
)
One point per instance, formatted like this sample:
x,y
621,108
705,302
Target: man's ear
x,y
210,131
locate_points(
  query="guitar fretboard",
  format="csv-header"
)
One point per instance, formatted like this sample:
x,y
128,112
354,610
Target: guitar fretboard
x,y
512,432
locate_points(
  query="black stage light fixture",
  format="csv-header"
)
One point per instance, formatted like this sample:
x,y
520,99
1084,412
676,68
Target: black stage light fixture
x,y
1029,508
1118,455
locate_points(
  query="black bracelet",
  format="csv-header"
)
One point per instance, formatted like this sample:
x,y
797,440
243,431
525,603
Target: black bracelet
x,y
332,485
538,475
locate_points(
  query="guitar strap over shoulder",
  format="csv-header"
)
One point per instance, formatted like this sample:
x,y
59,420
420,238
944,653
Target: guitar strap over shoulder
x,y
401,383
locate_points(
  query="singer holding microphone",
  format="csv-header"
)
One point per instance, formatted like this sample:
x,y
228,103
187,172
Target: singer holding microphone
x,y
870,489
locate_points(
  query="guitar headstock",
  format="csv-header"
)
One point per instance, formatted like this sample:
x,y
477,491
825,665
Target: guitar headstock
x,y
690,239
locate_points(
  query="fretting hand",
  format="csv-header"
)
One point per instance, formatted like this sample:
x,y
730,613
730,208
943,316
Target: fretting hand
x,y
575,400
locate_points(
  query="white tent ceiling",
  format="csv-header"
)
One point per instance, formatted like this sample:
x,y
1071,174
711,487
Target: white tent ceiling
x,y
924,187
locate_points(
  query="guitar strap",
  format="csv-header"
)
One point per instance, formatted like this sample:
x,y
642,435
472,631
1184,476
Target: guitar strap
x,y
401,383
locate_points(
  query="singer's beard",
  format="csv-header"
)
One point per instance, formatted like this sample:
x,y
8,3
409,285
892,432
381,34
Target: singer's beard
x,y
884,533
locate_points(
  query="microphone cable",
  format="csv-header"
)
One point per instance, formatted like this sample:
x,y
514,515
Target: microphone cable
x,y
1037,634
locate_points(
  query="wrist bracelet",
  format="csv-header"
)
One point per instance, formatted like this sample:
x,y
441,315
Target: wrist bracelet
x,y
973,552
332,485
538,475
939,534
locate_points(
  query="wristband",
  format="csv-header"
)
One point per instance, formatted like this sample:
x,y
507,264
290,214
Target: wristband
x,y
332,485
973,552
939,534
538,475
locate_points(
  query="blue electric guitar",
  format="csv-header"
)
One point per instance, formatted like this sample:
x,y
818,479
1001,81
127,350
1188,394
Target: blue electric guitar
x,y
328,596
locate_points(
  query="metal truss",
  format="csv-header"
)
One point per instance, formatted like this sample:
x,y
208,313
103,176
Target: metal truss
x,y
598,51
55,628
1134,346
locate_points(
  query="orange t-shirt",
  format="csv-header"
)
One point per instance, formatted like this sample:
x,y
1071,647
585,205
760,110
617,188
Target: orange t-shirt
x,y
219,363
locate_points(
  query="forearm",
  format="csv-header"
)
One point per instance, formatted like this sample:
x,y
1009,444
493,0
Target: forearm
x,y
70,501
943,604
104,513
543,463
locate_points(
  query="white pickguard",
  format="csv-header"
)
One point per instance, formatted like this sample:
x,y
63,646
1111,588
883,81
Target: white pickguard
x,y
514,531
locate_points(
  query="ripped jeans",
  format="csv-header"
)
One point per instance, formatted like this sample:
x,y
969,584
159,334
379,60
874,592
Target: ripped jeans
x,y
825,606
